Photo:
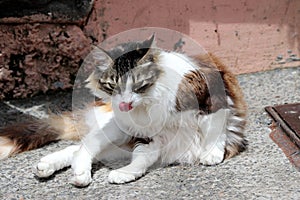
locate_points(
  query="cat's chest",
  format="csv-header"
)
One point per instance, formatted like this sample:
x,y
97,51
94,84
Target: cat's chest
x,y
142,122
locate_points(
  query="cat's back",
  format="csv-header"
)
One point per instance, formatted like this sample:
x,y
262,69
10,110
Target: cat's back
x,y
199,80
231,84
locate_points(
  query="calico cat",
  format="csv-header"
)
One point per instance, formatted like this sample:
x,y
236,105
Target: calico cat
x,y
161,106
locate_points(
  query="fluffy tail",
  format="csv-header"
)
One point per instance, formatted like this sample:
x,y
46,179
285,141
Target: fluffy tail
x,y
20,137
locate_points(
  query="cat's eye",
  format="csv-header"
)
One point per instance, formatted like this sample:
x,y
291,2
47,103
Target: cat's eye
x,y
107,86
142,87
110,86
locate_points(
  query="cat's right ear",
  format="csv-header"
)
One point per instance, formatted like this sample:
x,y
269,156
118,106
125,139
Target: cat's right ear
x,y
99,61
102,61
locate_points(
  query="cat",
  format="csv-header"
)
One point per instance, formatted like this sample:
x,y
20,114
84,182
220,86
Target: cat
x,y
155,106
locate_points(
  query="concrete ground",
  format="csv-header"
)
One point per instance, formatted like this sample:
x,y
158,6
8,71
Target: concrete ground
x,y
262,172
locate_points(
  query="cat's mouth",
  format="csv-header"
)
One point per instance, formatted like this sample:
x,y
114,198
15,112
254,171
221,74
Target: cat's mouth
x,y
125,107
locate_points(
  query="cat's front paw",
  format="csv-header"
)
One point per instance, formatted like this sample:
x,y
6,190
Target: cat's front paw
x,y
213,157
120,176
44,169
82,179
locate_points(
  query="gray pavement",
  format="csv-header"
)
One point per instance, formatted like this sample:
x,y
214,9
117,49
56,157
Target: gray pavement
x,y
262,172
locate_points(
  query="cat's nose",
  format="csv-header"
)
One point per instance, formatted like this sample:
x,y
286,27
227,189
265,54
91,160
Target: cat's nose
x,y
125,107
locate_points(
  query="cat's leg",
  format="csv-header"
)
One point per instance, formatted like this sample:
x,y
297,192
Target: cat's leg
x,y
213,129
144,155
81,166
94,144
55,161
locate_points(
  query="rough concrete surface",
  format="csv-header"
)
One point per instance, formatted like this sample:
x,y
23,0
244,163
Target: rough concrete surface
x,y
262,172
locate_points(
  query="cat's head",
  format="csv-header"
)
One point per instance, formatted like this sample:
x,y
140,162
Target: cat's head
x,y
127,73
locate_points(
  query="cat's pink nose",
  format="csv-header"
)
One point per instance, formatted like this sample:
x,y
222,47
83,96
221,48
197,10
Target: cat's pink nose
x,y
125,107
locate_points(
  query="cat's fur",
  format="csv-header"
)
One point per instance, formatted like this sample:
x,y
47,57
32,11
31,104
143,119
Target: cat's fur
x,y
162,106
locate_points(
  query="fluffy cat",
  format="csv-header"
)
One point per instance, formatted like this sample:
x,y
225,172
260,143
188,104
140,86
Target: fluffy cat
x,y
161,106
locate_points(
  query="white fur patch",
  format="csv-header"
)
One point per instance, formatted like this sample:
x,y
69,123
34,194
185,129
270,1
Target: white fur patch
x,y
55,161
177,62
6,147
175,66
96,115
234,129
213,127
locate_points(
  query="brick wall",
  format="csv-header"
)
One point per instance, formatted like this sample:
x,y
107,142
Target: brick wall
x,y
42,50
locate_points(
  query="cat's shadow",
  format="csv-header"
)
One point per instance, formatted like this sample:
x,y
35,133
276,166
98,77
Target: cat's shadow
x,y
110,165
52,177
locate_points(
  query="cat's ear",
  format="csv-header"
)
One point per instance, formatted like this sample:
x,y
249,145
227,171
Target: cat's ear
x,y
150,42
101,59
148,46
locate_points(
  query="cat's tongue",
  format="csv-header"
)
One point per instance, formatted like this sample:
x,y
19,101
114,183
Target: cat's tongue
x,y
125,107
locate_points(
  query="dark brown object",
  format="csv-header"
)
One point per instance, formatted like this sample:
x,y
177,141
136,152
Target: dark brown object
x,y
63,11
288,117
42,45
286,132
37,58
291,115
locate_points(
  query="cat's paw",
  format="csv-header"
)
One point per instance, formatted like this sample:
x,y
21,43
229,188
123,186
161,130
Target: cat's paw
x,y
44,169
213,157
82,179
120,176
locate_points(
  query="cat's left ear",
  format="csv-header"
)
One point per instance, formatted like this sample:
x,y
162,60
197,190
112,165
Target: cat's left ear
x,y
149,45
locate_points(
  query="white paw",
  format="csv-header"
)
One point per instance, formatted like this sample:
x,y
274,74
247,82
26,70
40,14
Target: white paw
x,y
212,157
82,179
120,176
44,169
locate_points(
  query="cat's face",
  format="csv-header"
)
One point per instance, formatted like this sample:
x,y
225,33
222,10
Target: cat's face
x,y
128,74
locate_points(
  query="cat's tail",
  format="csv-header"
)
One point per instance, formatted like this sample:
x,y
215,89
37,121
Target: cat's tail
x,y
35,133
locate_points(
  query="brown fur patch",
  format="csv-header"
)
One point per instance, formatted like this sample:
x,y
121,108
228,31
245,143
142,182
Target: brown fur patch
x,y
236,141
202,89
235,148
29,135
192,93
211,70
106,107
69,126
98,103
231,84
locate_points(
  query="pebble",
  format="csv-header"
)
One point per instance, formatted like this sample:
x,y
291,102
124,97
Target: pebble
x,y
279,57
296,59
